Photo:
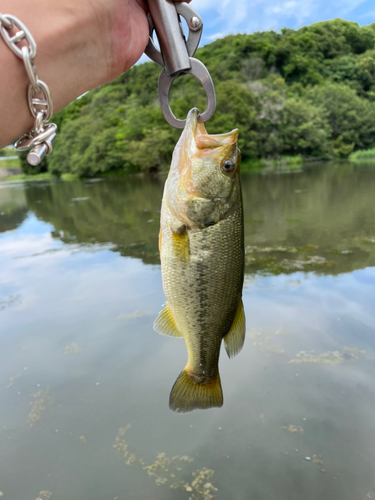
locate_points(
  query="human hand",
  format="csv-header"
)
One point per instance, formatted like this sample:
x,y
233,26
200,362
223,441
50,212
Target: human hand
x,y
81,45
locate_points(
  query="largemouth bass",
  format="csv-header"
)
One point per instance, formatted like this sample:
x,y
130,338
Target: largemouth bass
x,y
202,259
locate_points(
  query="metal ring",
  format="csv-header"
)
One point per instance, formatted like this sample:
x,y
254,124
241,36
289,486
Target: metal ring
x,y
3,20
200,72
34,101
26,142
31,69
23,33
39,122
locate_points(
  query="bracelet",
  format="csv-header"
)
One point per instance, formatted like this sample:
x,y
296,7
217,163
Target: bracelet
x,y
40,138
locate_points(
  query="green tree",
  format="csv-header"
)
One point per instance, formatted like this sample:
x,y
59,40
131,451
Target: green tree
x,y
304,128
349,116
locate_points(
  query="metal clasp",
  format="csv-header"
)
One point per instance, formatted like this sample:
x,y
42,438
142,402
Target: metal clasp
x,y
176,53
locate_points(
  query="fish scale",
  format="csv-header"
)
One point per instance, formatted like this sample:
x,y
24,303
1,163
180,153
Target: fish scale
x,y
203,292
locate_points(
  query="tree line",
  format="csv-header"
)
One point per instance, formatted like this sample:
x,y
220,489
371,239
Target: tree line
x,y
307,92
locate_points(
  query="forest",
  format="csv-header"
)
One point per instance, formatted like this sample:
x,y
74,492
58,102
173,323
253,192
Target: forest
x,y
306,93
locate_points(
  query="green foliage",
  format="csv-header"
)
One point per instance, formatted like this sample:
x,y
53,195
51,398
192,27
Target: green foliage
x,y
8,151
350,117
27,169
308,93
305,128
10,163
364,155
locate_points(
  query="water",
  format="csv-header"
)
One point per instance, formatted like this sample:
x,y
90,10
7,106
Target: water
x,y
84,380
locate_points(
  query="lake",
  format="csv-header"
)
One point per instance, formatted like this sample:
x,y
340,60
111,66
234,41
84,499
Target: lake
x,y
85,381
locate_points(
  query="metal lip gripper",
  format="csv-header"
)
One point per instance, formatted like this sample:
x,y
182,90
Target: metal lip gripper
x,y
176,53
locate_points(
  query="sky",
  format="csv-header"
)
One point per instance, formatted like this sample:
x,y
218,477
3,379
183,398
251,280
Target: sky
x,y
222,17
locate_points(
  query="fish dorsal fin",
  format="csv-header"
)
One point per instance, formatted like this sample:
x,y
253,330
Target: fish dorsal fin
x,y
235,338
165,325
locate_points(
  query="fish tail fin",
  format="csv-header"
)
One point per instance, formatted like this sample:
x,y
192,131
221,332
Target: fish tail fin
x,y
188,395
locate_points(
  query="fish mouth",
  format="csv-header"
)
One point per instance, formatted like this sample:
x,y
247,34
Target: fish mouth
x,y
196,136
193,127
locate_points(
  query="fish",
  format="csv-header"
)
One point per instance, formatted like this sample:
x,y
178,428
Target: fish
x,y
201,245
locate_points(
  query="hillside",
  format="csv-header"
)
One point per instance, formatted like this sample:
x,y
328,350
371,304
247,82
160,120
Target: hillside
x,y
308,92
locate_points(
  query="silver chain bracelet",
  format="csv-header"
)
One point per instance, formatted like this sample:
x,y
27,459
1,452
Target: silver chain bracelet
x,y
40,138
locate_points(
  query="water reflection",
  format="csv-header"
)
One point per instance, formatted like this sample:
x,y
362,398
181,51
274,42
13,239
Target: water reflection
x,y
320,220
122,213
79,358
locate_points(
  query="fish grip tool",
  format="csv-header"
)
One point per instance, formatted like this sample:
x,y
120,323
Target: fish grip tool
x,y
176,53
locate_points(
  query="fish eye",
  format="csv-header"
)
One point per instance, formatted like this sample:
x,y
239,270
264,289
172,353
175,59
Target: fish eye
x,y
227,166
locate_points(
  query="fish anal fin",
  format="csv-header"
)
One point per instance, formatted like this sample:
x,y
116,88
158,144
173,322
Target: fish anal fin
x,y
188,395
165,324
235,338
180,244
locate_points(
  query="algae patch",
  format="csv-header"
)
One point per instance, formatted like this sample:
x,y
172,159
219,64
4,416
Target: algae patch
x,y
44,495
261,339
168,471
293,429
317,460
9,301
267,259
12,380
136,315
43,401
364,239
332,358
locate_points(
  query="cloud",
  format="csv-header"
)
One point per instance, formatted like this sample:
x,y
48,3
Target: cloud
x,y
243,16
215,36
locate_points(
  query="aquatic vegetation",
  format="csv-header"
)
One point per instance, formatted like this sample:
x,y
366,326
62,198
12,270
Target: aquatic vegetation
x,y
271,264
307,262
263,418
166,471
293,429
261,339
254,256
9,301
317,460
136,315
72,348
251,249
43,401
332,358
13,379
364,239
44,495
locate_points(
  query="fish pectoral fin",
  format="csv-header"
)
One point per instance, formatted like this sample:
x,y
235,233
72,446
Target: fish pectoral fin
x,y
165,325
180,244
235,338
